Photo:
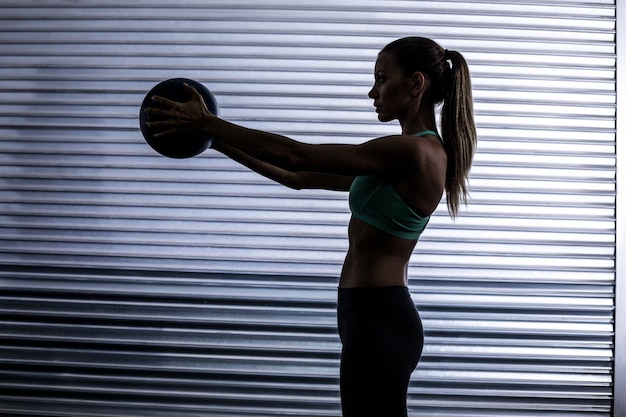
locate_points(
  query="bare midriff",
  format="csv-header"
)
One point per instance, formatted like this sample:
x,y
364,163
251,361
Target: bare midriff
x,y
375,258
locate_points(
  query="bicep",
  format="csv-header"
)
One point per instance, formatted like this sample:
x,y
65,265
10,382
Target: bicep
x,y
382,155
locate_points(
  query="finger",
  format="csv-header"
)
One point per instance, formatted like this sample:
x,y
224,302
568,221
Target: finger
x,y
195,93
163,123
155,111
165,133
165,101
191,89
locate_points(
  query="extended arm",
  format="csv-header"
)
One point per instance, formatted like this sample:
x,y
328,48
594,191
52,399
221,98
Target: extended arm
x,y
382,155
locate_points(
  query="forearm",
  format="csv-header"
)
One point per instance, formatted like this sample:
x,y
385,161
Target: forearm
x,y
295,180
268,170
276,150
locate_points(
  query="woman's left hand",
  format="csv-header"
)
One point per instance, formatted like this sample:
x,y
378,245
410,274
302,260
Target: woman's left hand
x,y
189,117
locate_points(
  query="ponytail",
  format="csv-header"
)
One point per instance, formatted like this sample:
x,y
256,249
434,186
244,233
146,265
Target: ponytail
x,y
451,85
458,130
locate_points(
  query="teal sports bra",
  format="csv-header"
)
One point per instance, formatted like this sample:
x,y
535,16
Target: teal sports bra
x,y
374,201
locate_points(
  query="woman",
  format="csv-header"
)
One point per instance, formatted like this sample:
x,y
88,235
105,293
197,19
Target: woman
x,y
395,183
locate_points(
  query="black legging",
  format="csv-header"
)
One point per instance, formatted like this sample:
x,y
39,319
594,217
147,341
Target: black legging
x,y
382,338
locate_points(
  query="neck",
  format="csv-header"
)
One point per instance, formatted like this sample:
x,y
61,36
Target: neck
x,y
424,119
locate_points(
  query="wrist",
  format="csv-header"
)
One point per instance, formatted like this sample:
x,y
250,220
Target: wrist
x,y
208,124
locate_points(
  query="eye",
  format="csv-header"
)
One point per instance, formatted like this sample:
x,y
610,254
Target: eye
x,y
380,80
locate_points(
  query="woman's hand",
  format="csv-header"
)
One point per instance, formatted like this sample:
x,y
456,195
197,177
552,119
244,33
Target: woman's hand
x,y
191,117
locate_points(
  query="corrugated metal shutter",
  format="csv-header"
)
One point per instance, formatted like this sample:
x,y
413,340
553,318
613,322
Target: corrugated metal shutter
x,y
137,285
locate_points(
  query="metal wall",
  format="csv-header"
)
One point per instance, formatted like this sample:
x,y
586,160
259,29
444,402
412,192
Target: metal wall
x,y
133,284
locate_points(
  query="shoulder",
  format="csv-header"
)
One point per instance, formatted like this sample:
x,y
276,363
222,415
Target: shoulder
x,y
400,144
423,151
412,141
409,152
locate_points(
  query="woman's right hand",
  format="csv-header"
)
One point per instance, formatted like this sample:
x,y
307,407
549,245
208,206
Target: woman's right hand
x,y
189,117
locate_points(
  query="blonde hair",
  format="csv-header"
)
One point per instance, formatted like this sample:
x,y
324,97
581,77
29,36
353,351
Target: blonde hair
x,y
451,85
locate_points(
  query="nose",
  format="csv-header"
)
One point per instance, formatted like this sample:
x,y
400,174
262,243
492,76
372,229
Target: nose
x,y
372,94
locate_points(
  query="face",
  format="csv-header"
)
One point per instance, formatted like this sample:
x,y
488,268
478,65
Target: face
x,y
391,91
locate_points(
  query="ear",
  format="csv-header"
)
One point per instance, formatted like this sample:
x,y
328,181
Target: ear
x,y
419,83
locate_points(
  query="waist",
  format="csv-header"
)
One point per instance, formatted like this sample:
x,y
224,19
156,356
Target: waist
x,y
375,258
372,296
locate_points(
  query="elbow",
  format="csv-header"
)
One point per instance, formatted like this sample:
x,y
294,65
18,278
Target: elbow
x,y
292,181
296,159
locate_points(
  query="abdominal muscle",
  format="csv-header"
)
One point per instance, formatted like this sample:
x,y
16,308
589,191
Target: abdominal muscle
x,y
375,258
